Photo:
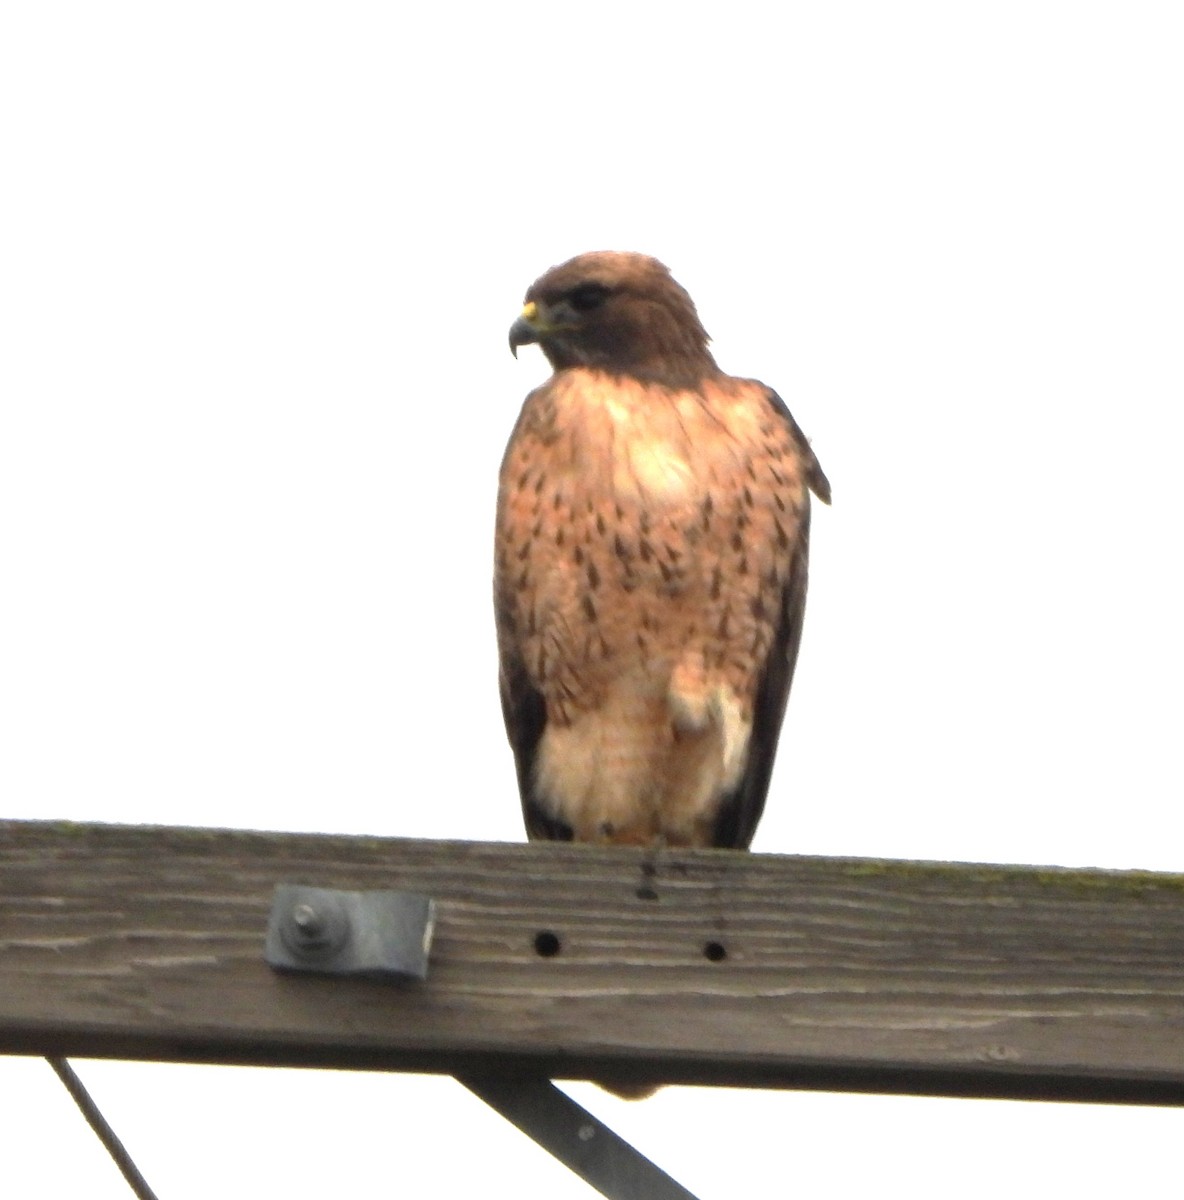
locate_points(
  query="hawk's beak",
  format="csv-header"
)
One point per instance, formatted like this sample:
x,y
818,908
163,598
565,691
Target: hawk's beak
x,y
526,329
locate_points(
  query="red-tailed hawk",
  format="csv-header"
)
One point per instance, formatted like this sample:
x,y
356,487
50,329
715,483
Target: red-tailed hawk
x,y
652,529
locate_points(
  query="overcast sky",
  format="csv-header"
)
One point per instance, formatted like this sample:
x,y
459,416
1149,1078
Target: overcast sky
x,y
257,267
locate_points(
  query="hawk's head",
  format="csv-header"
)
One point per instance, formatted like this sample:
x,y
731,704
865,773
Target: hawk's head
x,y
617,312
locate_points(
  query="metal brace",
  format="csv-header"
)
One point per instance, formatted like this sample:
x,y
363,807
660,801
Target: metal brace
x,y
576,1138
376,935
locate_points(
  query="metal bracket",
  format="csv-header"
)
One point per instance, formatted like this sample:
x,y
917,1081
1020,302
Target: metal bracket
x,y
377,935
575,1137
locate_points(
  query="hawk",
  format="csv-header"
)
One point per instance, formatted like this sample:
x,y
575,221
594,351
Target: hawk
x,y
652,529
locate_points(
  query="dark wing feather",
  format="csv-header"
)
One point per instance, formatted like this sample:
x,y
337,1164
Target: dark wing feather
x,y
523,707
819,484
525,713
741,809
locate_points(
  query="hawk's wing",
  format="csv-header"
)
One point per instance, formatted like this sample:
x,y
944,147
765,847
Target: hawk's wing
x,y
819,484
524,707
741,808
525,712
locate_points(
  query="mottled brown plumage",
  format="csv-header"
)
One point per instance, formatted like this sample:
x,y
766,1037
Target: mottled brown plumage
x,y
652,530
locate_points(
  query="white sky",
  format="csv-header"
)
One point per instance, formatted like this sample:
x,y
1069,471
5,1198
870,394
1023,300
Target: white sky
x,y
257,266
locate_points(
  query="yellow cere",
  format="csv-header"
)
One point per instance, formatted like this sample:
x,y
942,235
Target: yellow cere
x,y
530,311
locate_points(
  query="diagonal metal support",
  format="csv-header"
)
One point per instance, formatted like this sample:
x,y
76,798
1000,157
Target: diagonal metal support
x,y
104,1132
578,1139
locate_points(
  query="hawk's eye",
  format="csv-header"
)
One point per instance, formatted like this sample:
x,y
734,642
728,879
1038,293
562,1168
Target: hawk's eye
x,y
587,296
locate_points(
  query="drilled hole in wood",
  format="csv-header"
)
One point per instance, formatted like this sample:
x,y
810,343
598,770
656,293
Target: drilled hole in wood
x,y
546,944
714,952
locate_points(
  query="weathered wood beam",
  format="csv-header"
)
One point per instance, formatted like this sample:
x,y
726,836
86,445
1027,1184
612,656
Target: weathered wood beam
x,y
567,961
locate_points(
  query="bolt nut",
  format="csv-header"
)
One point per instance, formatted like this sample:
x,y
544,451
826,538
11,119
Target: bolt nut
x,y
315,930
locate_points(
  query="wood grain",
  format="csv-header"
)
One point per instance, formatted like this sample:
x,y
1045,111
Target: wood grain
x,y
697,966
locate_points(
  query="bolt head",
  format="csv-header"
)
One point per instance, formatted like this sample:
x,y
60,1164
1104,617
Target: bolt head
x,y
308,922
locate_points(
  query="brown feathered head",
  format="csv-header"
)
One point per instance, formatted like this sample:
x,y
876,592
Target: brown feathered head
x,y
617,312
